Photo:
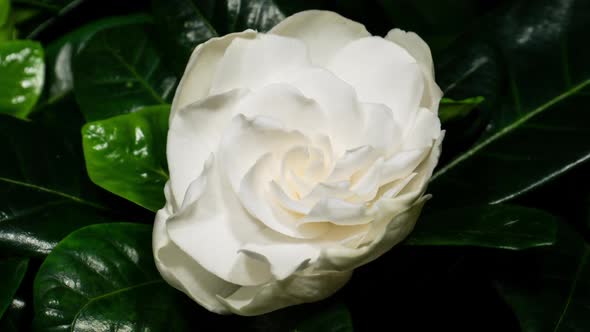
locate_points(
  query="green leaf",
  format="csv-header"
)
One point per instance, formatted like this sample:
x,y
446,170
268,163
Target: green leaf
x,y
550,290
184,24
450,109
38,15
59,54
491,226
540,131
231,16
119,71
126,155
103,278
44,191
181,27
334,319
438,22
12,271
22,71
4,11
15,318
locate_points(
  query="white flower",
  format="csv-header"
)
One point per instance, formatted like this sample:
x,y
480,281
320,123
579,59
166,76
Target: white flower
x,y
295,157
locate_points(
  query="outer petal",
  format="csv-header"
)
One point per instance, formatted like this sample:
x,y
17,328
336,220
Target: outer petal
x,y
195,132
181,271
417,48
212,228
299,288
421,52
323,32
396,219
253,63
381,72
198,75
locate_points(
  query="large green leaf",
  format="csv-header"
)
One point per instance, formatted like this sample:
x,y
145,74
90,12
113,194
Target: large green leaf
x,y
15,317
12,271
181,27
126,155
59,54
550,290
183,24
22,71
45,12
492,226
539,129
119,71
438,22
103,278
230,16
44,191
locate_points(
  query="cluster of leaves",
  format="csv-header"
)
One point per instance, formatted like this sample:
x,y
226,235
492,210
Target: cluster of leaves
x,y
84,102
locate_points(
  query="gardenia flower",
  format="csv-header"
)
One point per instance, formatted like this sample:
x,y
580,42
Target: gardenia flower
x,y
295,157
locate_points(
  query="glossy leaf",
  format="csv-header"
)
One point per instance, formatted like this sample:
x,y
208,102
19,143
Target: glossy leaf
x,y
539,130
450,109
22,72
59,54
120,71
44,192
334,319
181,27
491,226
438,22
103,278
126,155
12,271
550,290
44,12
231,16
15,317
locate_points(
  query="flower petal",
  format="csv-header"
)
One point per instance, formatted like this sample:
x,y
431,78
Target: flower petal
x,y
247,139
212,229
198,75
423,131
195,132
297,289
323,32
421,52
383,73
253,63
182,272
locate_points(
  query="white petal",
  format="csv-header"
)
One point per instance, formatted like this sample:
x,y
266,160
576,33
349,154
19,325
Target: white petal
x,y
198,75
253,194
253,63
338,212
251,301
423,132
288,106
354,160
195,132
337,100
284,258
182,272
383,72
380,130
247,139
412,43
418,184
323,32
421,52
395,223
212,229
